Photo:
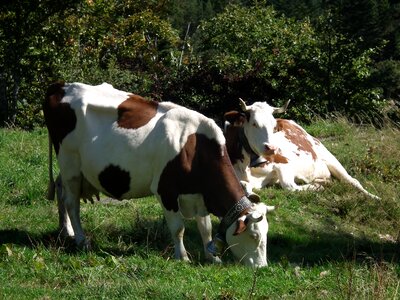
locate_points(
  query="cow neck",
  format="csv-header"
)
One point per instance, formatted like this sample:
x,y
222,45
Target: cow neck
x,y
255,159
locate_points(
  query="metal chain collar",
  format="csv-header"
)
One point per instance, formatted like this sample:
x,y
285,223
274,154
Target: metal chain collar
x,y
233,214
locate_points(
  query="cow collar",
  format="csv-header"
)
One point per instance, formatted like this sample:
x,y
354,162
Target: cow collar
x,y
218,244
255,159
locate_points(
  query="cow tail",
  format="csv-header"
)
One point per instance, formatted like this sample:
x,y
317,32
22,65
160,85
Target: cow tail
x,y
51,186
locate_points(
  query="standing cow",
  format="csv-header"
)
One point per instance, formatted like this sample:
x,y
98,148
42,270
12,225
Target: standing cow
x,y
124,146
266,151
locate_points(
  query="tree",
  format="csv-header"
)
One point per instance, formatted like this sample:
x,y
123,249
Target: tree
x,y
123,42
24,28
255,54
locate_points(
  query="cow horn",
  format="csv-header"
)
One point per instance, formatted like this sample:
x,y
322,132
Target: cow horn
x,y
242,104
279,110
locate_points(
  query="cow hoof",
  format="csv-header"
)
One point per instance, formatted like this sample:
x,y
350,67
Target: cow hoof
x,y
65,234
216,260
182,258
84,245
211,259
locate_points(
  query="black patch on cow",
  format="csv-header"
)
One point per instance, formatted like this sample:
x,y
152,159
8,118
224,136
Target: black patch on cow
x,y
233,145
115,181
60,118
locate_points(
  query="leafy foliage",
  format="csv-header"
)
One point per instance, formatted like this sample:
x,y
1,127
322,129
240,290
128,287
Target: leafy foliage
x,y
255,54
205,54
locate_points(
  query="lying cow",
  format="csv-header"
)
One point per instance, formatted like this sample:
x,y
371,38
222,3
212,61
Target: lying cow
x,y
126,147
266,151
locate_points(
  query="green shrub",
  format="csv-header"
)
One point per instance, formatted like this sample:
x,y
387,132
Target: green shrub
x,y
255,54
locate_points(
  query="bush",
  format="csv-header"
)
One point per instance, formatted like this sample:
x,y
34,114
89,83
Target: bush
x,y
255,54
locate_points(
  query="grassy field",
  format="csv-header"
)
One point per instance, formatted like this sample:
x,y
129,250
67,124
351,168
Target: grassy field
x,y
334,244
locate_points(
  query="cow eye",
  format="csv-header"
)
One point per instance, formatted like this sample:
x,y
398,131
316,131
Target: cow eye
x,y
254,125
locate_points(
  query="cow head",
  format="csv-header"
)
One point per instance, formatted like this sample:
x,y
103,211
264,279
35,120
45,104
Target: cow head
x,y
247,237
258,123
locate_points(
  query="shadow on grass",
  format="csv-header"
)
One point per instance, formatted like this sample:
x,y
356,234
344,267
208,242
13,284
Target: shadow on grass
x,y
50,239
312,248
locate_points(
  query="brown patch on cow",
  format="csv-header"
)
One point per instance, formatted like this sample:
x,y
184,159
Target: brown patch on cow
x,y
115,181
277,158
240,226
233,144
59,117
296,135
200,168
136,112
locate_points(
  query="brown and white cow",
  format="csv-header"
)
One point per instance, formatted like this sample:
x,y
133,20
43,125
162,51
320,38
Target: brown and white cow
x,y
124,146
266,151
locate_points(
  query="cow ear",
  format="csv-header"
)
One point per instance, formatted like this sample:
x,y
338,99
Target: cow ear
x,y
241,225
235,118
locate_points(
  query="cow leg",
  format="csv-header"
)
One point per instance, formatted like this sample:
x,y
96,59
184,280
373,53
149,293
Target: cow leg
x,y
205,228
310,187
64,223
71,201
177,229
71,179
286,178
340,172
192,206
287,181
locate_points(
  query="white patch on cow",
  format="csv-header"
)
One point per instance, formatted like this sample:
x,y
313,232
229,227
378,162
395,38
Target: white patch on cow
x,y
100,97
260,127
192,205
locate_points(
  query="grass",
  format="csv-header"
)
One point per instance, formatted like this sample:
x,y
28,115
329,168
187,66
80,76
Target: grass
x,y
334,244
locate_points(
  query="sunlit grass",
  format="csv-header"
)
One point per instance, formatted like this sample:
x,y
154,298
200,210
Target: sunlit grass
x,y
334,244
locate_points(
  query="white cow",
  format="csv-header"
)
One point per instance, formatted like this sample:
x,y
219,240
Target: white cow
x,y
266,151
124,146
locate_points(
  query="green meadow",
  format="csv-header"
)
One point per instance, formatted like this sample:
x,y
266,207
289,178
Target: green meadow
x,y
332,244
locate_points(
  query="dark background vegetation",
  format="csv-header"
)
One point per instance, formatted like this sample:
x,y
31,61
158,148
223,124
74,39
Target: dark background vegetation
x,y
326,56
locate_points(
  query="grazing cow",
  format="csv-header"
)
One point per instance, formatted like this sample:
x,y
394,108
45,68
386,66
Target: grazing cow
x,y
124,146
266,151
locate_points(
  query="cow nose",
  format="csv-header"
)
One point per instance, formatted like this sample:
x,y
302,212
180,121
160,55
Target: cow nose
x,y
269,148
257,264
